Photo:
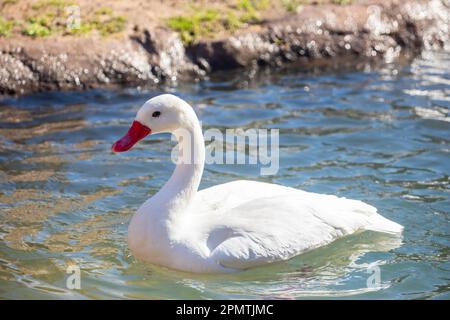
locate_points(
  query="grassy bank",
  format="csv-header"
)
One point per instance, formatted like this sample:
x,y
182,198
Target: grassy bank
x,y
193,20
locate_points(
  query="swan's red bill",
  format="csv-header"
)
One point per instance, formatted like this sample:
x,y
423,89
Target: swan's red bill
x,y
136,132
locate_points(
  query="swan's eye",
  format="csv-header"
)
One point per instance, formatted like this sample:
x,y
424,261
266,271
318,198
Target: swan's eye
x,y
156,114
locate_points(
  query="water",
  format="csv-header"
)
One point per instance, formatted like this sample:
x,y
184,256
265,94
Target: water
x,y
378,136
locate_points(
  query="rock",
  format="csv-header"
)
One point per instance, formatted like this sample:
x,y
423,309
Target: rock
x,y
315,34
369,30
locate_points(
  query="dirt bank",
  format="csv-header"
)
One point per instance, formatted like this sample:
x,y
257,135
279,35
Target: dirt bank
x,y
147,54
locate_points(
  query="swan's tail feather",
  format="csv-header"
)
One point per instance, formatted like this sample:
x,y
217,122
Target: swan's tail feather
x,y
380,224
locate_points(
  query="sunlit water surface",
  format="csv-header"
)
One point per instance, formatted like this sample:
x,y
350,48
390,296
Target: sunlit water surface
x,y
378,136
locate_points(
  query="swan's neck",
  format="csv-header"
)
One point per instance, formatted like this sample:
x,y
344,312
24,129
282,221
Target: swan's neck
x,y
176,195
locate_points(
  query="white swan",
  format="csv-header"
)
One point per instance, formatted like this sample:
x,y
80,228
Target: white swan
x,y
235,225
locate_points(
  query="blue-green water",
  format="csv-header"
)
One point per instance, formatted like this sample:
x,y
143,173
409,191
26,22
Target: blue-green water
x,y
379,136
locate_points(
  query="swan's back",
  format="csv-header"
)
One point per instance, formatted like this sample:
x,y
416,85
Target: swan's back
x,y
256,223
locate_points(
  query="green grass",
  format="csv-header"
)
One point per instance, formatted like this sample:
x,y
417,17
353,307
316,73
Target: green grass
x,y
104,11
43,4
292,5
106,22
251,10
105,27
35,29
84,28
111,25
256,5
49,17
40,25
6,27
7,2
206,22
196,25
341,2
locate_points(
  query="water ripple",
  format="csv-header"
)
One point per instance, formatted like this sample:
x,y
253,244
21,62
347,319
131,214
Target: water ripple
x,y
378,136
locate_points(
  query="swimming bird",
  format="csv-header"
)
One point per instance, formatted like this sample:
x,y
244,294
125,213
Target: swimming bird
x,y
235,225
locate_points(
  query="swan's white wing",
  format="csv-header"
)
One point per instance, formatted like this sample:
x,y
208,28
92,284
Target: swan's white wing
x,y
277,223
272,229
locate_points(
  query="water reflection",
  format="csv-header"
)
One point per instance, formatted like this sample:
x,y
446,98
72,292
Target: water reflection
x,y
379,136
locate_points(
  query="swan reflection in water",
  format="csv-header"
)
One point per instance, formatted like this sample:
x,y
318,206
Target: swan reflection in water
x,y
337,270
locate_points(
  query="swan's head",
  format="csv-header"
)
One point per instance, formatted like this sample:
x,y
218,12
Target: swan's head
x,y
163,113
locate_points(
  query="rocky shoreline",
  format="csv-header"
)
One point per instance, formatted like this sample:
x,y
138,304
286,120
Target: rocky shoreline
x,y
315,34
